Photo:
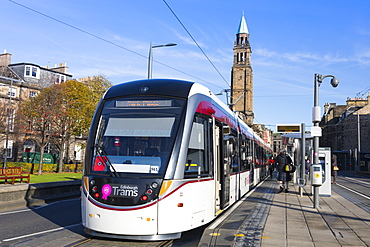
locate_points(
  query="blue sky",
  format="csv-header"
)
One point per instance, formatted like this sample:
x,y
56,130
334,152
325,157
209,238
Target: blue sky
x,y
290,40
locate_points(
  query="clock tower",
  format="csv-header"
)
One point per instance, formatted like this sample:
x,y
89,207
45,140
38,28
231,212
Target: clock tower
x,y
242,75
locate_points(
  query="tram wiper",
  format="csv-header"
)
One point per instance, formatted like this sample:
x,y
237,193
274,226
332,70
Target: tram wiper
x,y
110,168
101,152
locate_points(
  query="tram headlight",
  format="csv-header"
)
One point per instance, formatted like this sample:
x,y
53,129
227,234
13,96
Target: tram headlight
x,y
144,198
154,185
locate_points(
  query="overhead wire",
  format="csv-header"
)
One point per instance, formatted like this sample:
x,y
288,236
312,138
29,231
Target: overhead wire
x,y
107,41
191,36
363,92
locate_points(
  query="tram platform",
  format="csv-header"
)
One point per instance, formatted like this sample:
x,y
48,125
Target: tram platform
x,y
268,218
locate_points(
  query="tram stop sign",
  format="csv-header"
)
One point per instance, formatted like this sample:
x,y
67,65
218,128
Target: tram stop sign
x,y
288,128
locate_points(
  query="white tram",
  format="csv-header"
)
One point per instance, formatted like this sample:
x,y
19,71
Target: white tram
x,y
164,157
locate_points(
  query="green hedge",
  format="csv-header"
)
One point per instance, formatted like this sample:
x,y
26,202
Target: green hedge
x,y
27,167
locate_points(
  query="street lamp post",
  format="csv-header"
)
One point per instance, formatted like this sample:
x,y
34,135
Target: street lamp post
x,y
316,117
358,141
302,180
150,58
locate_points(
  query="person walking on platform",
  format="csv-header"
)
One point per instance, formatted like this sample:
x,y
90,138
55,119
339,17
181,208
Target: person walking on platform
x,y
271,166
334,167
281,162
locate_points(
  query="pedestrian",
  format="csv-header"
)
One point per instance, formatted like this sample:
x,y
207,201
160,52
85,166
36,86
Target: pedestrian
x,y
271,166
334,168
284,176
308,166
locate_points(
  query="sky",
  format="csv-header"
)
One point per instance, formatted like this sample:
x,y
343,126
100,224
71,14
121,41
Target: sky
x,y
290,40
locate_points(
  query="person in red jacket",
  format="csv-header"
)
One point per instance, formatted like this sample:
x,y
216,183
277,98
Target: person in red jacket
x,y
271,165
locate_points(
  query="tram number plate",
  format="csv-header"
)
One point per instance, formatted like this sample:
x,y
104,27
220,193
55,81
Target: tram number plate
x,y
154,169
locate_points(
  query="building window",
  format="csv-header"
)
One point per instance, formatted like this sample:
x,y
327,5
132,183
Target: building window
x,y
10,119
28,71
59,78
12,92
32,71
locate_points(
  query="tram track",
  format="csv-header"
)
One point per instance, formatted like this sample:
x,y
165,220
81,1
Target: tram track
x,y
355,190
356,185
351,190
357,181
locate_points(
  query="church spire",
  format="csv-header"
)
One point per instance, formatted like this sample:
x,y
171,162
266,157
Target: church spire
x,y
243,28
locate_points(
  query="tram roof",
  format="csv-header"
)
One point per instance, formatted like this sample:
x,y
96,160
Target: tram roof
x,y
176,88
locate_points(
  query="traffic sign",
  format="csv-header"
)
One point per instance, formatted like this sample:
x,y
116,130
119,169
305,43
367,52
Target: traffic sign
x,y
316,131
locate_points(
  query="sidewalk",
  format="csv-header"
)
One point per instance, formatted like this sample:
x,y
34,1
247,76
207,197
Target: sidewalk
x,y
26,195
293,221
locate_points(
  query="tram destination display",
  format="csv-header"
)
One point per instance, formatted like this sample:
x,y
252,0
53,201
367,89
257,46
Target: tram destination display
x,y
144,103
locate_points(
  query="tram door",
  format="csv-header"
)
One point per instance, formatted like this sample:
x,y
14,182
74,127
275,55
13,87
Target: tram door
x,y
223,162
217,161
226,166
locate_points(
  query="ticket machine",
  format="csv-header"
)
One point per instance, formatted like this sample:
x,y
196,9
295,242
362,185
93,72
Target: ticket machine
x,y
325,162
316,173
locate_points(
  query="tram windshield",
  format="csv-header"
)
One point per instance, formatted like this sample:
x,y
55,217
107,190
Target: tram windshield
x,y
136,136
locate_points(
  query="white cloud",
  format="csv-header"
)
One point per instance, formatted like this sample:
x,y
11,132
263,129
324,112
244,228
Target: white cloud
x,y
272,58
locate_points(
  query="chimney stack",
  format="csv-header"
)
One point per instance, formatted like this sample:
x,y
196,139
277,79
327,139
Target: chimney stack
x,y
5,58
62,68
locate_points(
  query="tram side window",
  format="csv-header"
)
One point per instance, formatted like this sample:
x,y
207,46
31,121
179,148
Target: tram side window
x,y
257,154
243,156
247,157
198,158
231,154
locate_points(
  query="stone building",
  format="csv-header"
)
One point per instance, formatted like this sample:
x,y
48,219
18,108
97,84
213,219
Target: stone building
x,y
19,82
278,144
346,128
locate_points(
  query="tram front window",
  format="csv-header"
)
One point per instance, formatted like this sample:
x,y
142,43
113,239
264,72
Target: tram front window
x,y
136,138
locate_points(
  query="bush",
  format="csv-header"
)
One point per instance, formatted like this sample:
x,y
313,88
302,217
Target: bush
x,y
34,168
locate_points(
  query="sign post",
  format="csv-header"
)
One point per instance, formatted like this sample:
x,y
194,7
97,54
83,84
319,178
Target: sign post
x,y
302,180
296,128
